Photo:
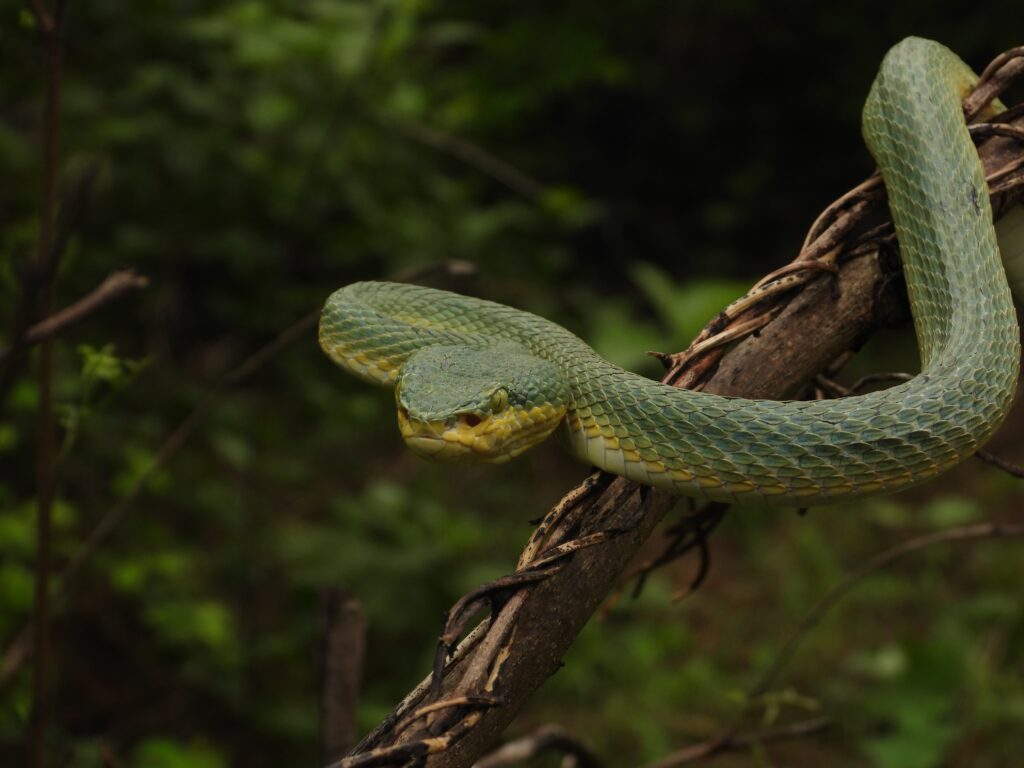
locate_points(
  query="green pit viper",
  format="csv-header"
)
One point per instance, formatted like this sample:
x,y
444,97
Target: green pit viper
x,y
479,381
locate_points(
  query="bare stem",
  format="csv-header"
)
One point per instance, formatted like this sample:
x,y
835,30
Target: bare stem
x,y
548,738
1011,469
739,741
343,647
45,426
115,285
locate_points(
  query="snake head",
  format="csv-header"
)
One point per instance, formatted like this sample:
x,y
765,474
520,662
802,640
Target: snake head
x,y
470,404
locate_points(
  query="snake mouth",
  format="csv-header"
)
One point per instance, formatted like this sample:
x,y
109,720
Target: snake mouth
x,y
428,446
475,439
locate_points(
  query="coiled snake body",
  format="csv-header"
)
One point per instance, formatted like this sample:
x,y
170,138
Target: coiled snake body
x,y
481,381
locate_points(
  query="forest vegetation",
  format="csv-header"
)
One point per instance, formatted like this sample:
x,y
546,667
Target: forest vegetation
x,y
625,169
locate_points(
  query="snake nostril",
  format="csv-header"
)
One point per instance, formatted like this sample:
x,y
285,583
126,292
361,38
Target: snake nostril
x,y
470,419
403,414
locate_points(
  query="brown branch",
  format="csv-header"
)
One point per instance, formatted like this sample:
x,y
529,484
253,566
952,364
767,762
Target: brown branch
x,y
743,741
115,285
996,78
46,22
344,643
45,426
72,208
471,154
816,319
1011,469
814,328
549,738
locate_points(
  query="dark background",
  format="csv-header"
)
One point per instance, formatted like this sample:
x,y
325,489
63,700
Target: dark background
x,y
255,156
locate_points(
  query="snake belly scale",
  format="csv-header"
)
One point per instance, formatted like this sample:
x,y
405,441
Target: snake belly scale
x,y
481,381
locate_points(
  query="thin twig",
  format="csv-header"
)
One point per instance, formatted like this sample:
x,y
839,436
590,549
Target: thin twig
x,y
740,741
469,700
548,738
985,130
471,154
729,737
70,211
997,76
868,188
46,426
45,21
1003,464
690,533
342,649
115,285
879,561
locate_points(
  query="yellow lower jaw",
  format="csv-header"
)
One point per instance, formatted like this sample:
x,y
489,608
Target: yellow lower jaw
x,y
439,449
494,440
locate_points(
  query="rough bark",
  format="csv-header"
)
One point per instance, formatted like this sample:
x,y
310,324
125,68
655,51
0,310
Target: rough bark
x,y
780,360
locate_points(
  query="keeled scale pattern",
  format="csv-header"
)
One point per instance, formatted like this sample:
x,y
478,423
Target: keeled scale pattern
x,y
781,452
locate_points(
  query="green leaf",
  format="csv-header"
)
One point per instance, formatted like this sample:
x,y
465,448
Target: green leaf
x,y
684,308
946,511
8,437
269,111
184,622
99,364
620,338
165,753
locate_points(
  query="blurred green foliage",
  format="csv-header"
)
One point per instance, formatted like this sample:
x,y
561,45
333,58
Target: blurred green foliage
x,y
652,158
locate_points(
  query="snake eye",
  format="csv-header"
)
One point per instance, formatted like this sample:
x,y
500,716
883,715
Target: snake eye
x,y
499,399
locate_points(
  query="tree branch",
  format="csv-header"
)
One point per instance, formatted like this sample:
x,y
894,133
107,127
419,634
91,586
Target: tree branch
x,y
71,210
469,153
114,285
810,332
548,738
344,643
45,425
741,741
